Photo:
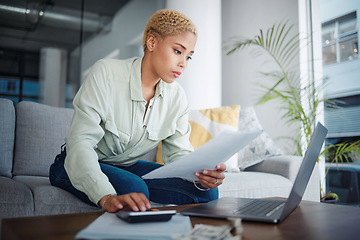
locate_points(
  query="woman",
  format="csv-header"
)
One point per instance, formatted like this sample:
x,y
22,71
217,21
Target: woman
x,y
122,111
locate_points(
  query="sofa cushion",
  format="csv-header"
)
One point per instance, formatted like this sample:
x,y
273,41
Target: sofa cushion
x,y
7,134
16,199
53,200
254,185
259,149
284,165
40,132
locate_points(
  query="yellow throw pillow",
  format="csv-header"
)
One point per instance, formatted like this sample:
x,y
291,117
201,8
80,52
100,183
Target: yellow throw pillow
x,y
206,124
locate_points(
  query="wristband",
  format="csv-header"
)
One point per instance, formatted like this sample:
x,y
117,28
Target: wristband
x,y
107,197
201,189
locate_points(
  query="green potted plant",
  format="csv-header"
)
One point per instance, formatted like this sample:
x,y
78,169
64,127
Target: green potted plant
x,y
282,47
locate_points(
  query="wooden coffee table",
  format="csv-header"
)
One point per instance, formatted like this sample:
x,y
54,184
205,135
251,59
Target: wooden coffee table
x,y
311,220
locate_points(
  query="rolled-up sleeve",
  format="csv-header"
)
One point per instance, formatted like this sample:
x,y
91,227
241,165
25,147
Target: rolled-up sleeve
x,y
81,163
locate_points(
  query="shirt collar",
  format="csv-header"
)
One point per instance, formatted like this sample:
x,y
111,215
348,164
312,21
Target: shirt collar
x,y
135,82
160,89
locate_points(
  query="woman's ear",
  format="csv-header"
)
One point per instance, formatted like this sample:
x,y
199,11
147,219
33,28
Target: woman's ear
x,y
151,42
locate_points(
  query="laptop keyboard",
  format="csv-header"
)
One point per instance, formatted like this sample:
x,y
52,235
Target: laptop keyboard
x,y
260,208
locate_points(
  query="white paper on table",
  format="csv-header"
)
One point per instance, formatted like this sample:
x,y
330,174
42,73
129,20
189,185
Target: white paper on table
x,y
109,226
217,150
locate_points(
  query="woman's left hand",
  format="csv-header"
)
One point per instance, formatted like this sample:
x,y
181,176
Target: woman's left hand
x,y
212,178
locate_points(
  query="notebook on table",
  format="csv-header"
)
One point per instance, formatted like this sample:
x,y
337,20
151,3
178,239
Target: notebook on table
x,y
266,210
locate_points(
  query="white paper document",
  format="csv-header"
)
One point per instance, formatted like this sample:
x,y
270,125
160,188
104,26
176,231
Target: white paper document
x,y
216,150
109,226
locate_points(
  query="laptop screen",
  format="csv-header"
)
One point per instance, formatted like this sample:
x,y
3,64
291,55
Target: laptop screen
x,y
306,169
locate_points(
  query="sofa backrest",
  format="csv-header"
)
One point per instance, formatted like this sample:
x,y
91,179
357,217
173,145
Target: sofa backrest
x,y
7,135
40,132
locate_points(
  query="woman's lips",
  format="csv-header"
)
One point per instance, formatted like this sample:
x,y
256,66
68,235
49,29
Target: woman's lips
x,y
176,74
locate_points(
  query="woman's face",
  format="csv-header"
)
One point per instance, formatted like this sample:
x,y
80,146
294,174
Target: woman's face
x,y
171,55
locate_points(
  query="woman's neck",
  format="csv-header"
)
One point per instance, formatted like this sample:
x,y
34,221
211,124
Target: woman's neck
x,y
148,77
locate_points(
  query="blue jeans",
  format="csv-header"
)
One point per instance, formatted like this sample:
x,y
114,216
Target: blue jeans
x,y
128,179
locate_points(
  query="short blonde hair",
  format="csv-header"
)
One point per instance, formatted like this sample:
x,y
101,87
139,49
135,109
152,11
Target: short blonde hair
x,y
168,22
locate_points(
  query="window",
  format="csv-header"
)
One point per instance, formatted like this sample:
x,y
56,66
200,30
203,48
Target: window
x,y
19,78
79,32
343,180
12,86
341,71
340,39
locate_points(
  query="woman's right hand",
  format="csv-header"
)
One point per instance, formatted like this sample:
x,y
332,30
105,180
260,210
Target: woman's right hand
x,y
131,201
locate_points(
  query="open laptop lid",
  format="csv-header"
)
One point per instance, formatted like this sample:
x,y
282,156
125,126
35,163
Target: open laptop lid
x,y
306,169
226,207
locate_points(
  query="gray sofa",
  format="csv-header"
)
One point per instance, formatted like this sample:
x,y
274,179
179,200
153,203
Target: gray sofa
x,y
31,136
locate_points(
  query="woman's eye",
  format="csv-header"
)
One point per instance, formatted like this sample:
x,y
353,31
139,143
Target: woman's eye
x,y
177,51
188,58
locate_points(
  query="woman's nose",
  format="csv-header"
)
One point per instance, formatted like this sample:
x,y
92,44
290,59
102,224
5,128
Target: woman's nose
x,y
182,63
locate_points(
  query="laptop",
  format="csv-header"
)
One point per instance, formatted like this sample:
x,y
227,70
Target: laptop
x,y
266,210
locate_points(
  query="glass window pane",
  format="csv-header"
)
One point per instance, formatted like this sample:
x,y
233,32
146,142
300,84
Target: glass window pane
x,y
349,49
329,54
31,64
2,85
12,87
30,88
328,33
347,25
9,62
30,99
339,179
15,100
9,86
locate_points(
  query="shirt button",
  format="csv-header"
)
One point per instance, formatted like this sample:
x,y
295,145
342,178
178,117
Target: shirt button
x,y
144,126
150,106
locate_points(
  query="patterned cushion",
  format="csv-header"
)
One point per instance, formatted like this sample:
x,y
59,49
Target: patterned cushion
x,y
259,149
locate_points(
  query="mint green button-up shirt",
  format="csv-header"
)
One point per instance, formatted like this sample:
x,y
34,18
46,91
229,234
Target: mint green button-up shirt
x,y
110,124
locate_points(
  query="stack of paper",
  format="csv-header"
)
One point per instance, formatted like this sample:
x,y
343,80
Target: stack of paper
x,y
109,226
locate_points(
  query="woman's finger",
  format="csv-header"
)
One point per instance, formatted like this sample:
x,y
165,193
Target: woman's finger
x,y
129,202
210,185
112,204
221,167
212,178
146,200
213,174
209,182
135,201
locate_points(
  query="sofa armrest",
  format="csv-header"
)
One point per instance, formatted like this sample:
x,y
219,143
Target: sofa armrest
x,y
288,167
284,165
